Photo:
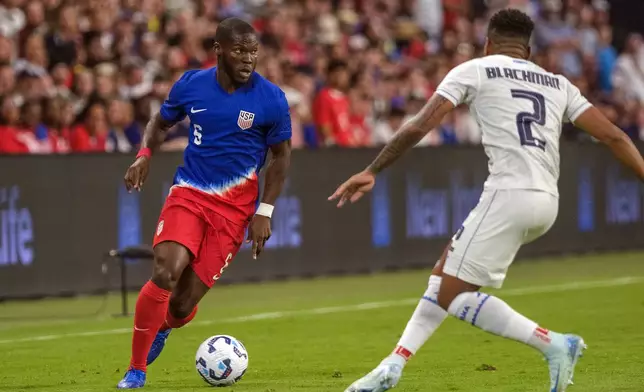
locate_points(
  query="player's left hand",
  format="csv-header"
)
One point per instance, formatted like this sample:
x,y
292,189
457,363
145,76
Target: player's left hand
x,y
259,232
354,188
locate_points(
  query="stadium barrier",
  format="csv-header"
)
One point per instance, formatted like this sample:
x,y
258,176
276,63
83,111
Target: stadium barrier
x,y
60,215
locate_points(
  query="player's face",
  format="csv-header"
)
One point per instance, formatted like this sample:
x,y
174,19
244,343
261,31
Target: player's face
x,y
240,56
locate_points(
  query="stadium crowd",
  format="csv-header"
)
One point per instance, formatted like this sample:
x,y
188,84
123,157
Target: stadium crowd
x,y
84,76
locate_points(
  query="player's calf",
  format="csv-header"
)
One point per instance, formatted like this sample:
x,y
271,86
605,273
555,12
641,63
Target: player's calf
x,y
175,318
427,317
489,313
181,310
178,317
151,308
493,315
425,320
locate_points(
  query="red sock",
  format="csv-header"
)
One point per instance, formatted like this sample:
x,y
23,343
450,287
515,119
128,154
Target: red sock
x,y
173,322
151,307
403,352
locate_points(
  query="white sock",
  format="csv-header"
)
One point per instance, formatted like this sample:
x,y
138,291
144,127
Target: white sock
x,y
493,315
427,317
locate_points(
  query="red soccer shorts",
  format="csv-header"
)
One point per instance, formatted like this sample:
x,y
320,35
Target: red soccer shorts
x,y
212,239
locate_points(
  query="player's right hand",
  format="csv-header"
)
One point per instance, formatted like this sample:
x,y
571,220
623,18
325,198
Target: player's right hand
x,y
354,188
137,173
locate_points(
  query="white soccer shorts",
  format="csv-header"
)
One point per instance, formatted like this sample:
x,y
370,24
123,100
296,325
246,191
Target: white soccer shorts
x,y
503,220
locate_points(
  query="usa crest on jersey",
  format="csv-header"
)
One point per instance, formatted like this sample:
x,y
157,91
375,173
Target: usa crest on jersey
x,y
245,119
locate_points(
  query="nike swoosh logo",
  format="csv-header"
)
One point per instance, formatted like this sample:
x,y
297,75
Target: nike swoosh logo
x,y
140,329
193,111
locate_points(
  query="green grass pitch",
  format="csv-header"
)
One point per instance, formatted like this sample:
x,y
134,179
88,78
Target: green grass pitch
x,y
320,335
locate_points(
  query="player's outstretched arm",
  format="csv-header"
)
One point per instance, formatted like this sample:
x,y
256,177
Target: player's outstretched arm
x,y
597,125
411,132
429,117
153,136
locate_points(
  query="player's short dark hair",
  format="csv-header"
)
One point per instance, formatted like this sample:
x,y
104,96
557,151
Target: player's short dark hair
x,y
336,65
510,24
232,26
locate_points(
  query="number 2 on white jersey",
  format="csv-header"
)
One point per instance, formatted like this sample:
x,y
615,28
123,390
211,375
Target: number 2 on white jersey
x,y
197,133
525,119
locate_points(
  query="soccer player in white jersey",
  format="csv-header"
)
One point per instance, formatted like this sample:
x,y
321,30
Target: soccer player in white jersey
x,y
520,109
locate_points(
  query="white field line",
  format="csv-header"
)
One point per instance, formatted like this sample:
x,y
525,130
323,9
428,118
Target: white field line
x,y
348,308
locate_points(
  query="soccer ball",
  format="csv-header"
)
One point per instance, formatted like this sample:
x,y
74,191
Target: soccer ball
x,y
222,360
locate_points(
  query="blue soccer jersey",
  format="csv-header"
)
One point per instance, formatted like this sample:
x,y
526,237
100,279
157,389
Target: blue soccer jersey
x,y
230,134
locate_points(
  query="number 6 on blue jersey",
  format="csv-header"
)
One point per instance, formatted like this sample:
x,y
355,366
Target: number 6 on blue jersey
x,y
525,119
198,132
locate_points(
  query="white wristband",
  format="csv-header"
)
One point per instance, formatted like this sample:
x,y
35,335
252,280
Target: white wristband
x,y
265,210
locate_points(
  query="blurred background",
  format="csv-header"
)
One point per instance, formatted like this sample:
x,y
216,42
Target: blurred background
x,y
84,76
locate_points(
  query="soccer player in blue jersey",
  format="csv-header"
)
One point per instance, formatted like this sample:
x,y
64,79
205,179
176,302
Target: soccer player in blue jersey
x,y
236,116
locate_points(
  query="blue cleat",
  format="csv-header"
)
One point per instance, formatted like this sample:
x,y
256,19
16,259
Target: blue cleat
x,y
133,379
158,344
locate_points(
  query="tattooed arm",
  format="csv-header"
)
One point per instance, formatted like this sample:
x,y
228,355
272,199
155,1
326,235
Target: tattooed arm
x,y
429,117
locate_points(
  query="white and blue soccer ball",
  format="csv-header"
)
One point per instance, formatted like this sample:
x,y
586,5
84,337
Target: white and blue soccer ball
x,y
222,360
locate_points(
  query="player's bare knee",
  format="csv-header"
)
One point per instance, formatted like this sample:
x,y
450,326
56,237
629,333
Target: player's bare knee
x,y
452,287
164,274
445,299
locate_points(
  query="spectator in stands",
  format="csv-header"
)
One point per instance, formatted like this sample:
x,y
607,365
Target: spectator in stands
x,y
560,37
83,90
628,75
91,134
31,121
35,20
7,79
124,135
587,33
62,79
62,42
32,86
59,116
347,67
606,58
331,108
384,130
11,140
105,76
360,118
12,18
6,51
34,60
466,129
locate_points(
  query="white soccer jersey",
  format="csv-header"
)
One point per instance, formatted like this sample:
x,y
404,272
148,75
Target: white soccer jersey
x,y
520,109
